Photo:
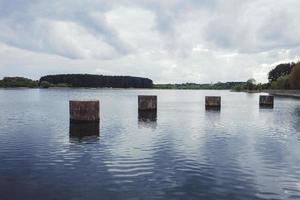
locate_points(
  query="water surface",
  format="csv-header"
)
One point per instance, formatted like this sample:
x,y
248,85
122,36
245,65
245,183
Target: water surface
x,y
184,152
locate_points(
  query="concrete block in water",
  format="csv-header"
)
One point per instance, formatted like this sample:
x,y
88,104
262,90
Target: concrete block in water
x,y
266,101
84,111
147,102
213,102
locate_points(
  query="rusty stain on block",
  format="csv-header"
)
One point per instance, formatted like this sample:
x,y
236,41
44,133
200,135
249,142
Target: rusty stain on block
x,y
84,111
147,102
213,102
266,101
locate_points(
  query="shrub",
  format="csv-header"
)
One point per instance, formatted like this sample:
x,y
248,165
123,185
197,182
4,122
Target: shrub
x,y
239,88
45,84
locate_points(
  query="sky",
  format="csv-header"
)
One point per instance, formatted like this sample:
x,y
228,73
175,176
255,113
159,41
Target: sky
x,y
168,41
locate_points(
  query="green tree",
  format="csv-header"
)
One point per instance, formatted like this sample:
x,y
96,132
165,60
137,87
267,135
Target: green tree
x,y
281,83
251,84
280,70
259,87
294,78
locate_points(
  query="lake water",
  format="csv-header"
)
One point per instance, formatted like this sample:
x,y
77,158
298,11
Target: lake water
x,y
240,152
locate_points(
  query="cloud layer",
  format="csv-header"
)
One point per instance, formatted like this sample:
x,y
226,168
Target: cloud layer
x,y
168,41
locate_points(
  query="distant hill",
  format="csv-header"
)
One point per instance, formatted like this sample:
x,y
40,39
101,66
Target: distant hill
x,y
97,81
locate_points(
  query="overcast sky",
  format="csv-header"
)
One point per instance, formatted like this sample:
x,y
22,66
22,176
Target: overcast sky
x,y
169,41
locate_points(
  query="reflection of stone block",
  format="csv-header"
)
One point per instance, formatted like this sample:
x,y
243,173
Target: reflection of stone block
x,y
84,129
84,111
266,101
147,102
147,115
213,102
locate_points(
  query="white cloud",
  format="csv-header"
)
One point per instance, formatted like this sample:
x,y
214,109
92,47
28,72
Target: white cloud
x,y
167,41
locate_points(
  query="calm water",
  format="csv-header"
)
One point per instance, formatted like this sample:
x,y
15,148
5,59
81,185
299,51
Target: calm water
x,y
241,152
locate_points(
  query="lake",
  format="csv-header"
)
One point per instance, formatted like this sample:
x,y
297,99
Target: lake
x,y
186,152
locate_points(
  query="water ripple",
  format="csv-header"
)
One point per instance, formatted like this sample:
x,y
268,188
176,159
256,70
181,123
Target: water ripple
x,y
240,152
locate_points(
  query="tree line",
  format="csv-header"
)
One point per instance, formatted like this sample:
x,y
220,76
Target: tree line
x,y
195,86
88,80
78,80
283,76
18,82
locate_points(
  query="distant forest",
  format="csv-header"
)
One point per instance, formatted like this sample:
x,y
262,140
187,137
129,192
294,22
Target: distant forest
x,y
78,80
195,86
283,76
100,81
14,82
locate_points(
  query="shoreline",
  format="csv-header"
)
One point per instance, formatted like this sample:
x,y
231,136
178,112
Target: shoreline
x,y
284,93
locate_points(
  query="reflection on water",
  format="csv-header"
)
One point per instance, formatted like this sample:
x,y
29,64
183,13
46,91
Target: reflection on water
x,y
181,152
266,106
147,116
84,131
213,108
296,124
147,119
297,111
212,111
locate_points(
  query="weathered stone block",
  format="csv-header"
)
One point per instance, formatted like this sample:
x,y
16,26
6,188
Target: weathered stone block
x,y
84,111
266,101
147,102
213,102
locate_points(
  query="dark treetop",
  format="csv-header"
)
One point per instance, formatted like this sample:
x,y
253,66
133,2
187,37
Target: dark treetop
x,y
280,70
88,80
